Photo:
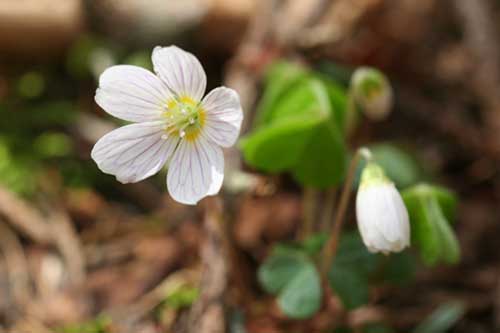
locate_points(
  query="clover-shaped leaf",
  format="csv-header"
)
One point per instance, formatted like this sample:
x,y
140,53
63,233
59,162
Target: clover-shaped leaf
x,y
293,277
299,133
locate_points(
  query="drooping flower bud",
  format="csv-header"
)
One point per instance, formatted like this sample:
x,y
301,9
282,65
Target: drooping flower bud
x,y
381,213
372,92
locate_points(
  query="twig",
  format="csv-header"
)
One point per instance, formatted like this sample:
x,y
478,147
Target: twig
x,y
331,246
129,315
68,243
309,204
24,217
328,207
16,265
207,314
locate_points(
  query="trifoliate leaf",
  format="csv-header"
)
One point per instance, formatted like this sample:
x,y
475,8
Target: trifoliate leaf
x,y
293,277
301,297
349,274
280,77
299,134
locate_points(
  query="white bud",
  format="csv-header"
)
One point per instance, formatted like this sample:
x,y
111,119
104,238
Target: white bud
x,y
372,92
191,120
164,136
381,213
182,134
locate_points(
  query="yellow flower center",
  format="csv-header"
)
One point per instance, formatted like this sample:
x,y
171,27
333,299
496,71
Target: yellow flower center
x,y
185,118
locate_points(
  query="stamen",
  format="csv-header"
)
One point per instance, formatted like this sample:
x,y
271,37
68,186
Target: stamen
x,y
184,118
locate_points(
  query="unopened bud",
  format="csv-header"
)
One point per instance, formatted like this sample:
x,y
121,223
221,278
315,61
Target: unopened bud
x,y
372,92
381,213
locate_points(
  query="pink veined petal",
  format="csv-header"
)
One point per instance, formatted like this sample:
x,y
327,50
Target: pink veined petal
x,y
132,93
181,71
224,116
134,152
196,170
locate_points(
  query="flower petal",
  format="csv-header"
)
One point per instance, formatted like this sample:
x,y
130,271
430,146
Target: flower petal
x,y
134,152
382,218
224,116
132,93
196,170
181,71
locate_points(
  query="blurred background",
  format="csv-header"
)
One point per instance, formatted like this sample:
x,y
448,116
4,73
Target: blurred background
x,y
80,252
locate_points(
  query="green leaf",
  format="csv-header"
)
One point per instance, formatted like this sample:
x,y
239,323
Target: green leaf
x,y
53,144
300,135
401,167
285,140
353,252
323,162
280,76
350,286
376,328
313,244
442,319
276,272
292,276
338,101
399,268
182,297
349,274
301,297
430,227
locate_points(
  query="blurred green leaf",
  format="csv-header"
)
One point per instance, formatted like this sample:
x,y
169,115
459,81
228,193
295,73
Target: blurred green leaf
x,y
78,61
31,85
430,228
101,324
299,134
313,244
442,319
182,297
399,268
53,144
275,273
294,278
338,100
279,147
140,58
350,285
349,274
301,297
323,161
279,78
376,328
18,171
400,166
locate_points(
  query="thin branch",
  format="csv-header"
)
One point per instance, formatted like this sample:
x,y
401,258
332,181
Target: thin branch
x,y
23,217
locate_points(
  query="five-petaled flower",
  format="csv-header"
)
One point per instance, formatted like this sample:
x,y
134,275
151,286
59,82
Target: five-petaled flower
x,y
172,124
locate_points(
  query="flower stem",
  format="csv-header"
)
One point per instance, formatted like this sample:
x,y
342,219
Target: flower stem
x,y
331,245
328,208
309,208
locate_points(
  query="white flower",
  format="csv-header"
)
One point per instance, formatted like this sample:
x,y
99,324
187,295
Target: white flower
x,y
381,213
172,124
